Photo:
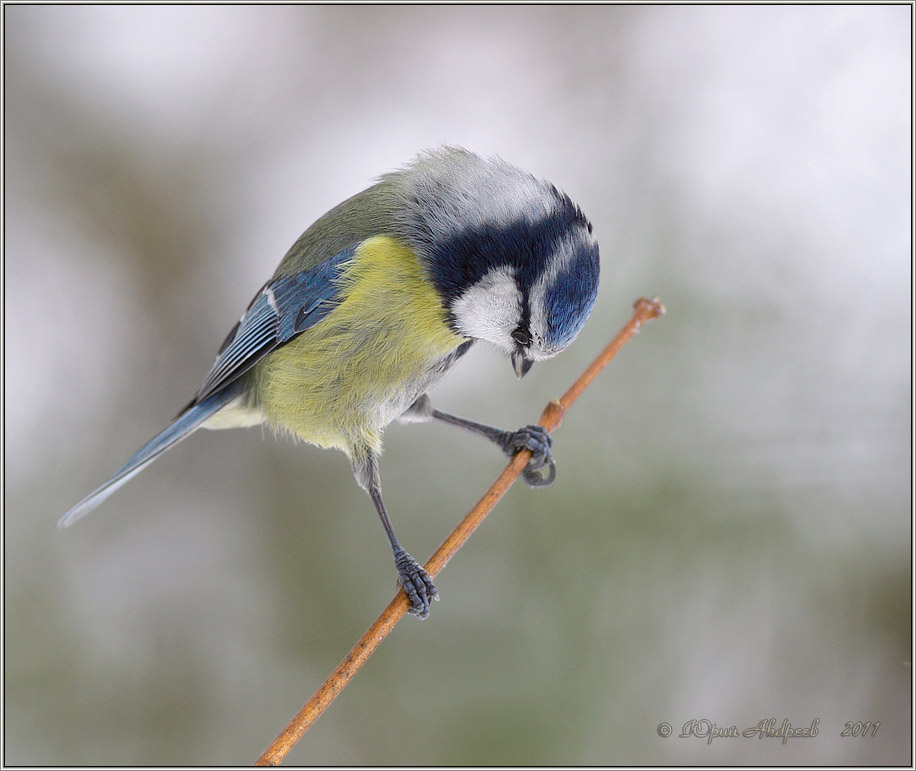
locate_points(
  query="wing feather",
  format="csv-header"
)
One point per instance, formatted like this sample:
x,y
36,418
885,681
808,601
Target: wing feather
x,y
283,309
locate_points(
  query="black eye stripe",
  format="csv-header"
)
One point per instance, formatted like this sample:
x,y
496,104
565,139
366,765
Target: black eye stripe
x,y
522,336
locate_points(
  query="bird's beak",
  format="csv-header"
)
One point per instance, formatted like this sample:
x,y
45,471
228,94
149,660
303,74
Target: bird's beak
x,y
521,363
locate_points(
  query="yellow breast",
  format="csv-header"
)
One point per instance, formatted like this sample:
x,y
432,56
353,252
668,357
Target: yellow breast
x,y
340,382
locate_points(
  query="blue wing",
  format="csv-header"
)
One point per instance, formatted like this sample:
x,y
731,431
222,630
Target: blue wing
x,y
284,308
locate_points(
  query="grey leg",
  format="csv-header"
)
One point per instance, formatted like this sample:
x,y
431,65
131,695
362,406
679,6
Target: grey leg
x,y
533,438
413,578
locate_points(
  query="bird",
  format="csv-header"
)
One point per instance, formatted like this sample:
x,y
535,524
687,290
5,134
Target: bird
x,y
378,299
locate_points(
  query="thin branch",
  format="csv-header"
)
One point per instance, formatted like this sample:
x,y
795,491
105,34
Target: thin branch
x,y
644,310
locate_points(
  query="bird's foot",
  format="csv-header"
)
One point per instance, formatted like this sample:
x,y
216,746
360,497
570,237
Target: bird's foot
x,y
538,441
417,584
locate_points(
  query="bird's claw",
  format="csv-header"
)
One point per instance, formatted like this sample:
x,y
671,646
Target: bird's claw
x,y
417,584
536,440
536,478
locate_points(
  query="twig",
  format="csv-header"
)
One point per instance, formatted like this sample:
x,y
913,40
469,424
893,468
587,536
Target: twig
x,y
644,310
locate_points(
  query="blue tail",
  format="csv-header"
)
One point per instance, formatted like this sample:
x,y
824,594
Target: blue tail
x,y
186,423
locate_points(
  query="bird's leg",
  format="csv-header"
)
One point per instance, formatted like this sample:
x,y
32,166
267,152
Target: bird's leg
x,y
415,581
533,438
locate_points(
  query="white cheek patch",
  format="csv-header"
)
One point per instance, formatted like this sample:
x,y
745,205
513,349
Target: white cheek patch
x,y
491,308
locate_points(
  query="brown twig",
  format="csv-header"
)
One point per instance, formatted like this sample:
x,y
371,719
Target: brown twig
x,y
644,310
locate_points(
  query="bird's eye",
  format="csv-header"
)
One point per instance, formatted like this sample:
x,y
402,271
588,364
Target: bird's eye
x,y
522,336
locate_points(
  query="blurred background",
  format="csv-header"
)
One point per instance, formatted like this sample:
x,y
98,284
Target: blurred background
x,y
729,536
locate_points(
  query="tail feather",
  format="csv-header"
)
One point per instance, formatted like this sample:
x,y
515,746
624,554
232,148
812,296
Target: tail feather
x,y
185,424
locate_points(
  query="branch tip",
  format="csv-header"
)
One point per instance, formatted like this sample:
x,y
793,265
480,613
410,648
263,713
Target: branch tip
x,y
551,418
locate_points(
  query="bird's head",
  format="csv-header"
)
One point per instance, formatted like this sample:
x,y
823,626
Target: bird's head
x,y
515,260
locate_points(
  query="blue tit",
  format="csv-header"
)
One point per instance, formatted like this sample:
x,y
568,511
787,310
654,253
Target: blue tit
x,y
378,299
